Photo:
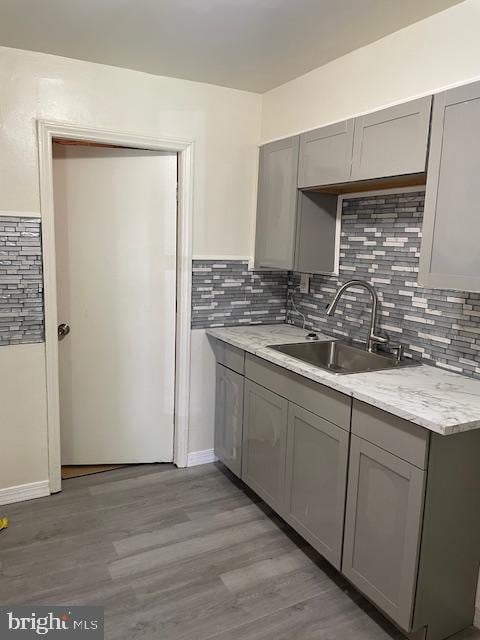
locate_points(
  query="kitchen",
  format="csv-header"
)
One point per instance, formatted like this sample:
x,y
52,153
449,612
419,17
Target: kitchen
x,y
345,421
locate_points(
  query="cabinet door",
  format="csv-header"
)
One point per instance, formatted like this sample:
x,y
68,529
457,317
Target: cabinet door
x,y
393,141
382,528
326,155
229,418
449,257
318,233
317,455
276,206
265,440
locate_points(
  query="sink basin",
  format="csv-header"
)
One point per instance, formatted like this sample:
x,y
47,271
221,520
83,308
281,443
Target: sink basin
x,y
341,357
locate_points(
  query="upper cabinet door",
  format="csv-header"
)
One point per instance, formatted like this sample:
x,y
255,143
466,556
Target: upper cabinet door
x,y
450,255
276,208
326,155
393,141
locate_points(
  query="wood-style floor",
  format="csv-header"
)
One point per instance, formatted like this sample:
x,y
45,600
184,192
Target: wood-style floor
x,y
178,555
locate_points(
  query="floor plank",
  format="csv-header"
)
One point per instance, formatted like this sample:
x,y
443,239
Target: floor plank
x,y
179,554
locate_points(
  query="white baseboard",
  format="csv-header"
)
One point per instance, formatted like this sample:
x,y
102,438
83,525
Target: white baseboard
x,y
201,457
476,621
25,492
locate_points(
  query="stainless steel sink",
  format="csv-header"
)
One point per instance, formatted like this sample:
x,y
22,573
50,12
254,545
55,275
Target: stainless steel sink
x,y
341,357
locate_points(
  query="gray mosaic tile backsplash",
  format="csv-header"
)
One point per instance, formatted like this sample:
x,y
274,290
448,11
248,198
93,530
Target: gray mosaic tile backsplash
x,y
380,242
226,293
21,281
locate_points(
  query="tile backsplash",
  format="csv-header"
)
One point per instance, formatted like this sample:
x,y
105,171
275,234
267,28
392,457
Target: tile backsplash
x,y
380,242
226,293
21,281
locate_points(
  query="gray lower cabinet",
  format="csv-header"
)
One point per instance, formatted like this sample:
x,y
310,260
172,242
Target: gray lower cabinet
x,y
392,505
265,443
317,458
229,418
326,155
393,141
449,257
277,204
383,528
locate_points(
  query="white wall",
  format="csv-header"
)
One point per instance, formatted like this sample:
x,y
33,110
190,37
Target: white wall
x,y
225,125
23,415
427,56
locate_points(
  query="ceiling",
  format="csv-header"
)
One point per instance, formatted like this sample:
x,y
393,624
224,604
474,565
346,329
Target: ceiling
x,y
246,44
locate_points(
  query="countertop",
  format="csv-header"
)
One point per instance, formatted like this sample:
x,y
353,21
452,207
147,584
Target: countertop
x,y
443,402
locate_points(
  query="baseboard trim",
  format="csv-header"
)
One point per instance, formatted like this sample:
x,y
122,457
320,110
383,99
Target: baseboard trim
x,y
201,457
476,621
24,492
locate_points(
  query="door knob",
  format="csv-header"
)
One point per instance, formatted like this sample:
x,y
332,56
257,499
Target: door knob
x,y
63,330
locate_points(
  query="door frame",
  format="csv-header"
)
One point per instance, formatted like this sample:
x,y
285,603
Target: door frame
x,y
48,131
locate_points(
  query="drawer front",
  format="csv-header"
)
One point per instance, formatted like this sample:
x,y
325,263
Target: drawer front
x,y
400,437
230,356
324,402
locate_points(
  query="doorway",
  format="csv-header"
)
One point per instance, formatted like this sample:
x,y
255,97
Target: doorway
x,y
115,239
48,132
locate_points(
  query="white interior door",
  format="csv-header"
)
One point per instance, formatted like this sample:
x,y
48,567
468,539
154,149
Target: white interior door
x,y
115,221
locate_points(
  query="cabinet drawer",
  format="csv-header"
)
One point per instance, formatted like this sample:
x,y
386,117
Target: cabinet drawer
x,y
400,437
327,403
230,356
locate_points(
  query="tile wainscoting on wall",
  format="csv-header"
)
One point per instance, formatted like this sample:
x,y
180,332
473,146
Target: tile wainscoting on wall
x,y
21,281
226,293
380,242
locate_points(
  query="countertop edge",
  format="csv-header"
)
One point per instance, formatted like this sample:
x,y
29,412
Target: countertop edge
x,y
334,382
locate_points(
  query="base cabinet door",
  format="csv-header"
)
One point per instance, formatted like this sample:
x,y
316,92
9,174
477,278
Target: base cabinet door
x,y
317,458
383,528
264,444
229,418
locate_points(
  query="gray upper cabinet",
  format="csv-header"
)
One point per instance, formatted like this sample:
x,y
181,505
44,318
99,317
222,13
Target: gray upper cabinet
x,y
295,230
265,442
317,243
229,418
277,204
383,528
326,155
392,142
317,455
450,256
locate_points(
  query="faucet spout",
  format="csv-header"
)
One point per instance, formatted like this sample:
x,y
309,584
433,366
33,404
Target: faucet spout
x,y
373,338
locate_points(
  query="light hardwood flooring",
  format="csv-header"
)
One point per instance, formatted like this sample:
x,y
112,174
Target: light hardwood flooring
x,y
178,555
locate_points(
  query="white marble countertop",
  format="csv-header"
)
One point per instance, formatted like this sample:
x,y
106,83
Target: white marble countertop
x,y
440,401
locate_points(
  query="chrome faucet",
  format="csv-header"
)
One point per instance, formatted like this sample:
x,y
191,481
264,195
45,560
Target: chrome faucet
x,y
373,338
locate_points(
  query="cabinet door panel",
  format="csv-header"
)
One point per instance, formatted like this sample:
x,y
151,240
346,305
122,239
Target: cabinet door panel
x,y
383,528
276,206
317,454
265,440
229,418
326,155
392,141
449,257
